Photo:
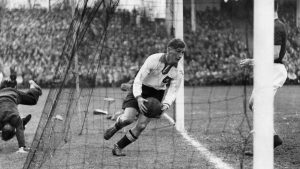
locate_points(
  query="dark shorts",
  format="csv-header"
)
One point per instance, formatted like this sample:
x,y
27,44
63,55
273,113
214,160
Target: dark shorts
x,y
130,100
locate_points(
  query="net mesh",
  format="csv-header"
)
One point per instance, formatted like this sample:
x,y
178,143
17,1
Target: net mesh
x,y
70,134
106,41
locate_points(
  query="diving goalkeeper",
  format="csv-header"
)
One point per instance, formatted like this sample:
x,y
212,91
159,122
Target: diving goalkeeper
x,y
11,123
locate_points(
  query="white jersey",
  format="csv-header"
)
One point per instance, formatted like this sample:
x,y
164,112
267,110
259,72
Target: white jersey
x,y
156,74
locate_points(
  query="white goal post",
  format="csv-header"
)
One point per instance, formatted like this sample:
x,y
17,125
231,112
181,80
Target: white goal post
x,y
263,97
178,24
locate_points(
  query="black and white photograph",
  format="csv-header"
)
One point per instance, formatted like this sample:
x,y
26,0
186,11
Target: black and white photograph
x,y
150,84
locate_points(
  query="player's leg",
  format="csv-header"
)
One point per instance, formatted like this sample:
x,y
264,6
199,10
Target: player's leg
x,y
31,96
131,136
276,139
279,78
123,120
26,119
130,107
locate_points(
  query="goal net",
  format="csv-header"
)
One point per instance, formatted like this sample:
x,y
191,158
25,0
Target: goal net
x,y
102,45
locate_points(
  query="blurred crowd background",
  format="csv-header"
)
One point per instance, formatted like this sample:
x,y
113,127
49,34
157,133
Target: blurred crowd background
x,y
32,42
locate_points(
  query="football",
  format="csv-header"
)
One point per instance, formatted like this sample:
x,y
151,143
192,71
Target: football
x,y
154,108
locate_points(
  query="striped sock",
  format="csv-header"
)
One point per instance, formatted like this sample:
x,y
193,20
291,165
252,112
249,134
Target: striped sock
x,y
126,140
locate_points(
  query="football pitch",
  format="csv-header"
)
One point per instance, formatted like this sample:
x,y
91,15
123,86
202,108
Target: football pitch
x,y
214,118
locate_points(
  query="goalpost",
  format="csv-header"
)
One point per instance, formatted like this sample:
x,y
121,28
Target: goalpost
x,y
178,24
205,117
263,98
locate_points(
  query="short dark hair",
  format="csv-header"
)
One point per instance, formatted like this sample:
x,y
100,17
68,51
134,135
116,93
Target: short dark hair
x,y
276,5
8,132
176,43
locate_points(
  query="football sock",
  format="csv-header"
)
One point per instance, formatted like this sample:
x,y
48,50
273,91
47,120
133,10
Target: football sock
x,y
126,140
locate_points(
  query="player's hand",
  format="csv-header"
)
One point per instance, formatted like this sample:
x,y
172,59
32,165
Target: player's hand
x,y
23,150
165,107
246,62
141,101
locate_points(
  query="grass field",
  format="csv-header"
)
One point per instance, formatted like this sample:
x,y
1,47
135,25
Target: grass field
x,y
214,116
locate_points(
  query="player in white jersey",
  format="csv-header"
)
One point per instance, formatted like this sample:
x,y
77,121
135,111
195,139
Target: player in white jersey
x,y
160,77
279,70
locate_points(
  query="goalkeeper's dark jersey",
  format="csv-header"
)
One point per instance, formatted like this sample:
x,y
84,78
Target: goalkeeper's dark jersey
x,y
280,38
8,104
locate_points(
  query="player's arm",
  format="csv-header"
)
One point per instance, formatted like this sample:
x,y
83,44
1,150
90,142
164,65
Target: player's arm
x,y
276,51
246,62
149,64
16,122
172,90
280,50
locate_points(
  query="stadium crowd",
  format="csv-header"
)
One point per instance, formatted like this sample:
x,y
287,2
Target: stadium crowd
x,y
32,42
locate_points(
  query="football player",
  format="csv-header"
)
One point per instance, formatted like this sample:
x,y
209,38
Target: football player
x,y
160,77
11,123
279,70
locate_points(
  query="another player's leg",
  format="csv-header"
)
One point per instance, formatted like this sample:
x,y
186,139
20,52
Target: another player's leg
x,y
279,78
277,141
131,136
33,85
31,96
123,120
26,119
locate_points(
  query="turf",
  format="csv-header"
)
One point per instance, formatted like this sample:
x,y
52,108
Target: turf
x,y
214,116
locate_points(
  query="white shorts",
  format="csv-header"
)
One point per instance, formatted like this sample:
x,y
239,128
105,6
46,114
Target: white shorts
x,y
279,76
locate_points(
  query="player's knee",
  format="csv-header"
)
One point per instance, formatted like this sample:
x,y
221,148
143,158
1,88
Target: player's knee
x,y
126,118
129,113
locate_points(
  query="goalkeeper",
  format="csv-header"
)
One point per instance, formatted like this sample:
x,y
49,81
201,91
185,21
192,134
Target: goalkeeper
x,y
160,77
11,123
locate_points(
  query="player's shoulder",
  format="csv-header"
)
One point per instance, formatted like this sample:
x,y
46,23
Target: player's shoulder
x,y
156,56
154,59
